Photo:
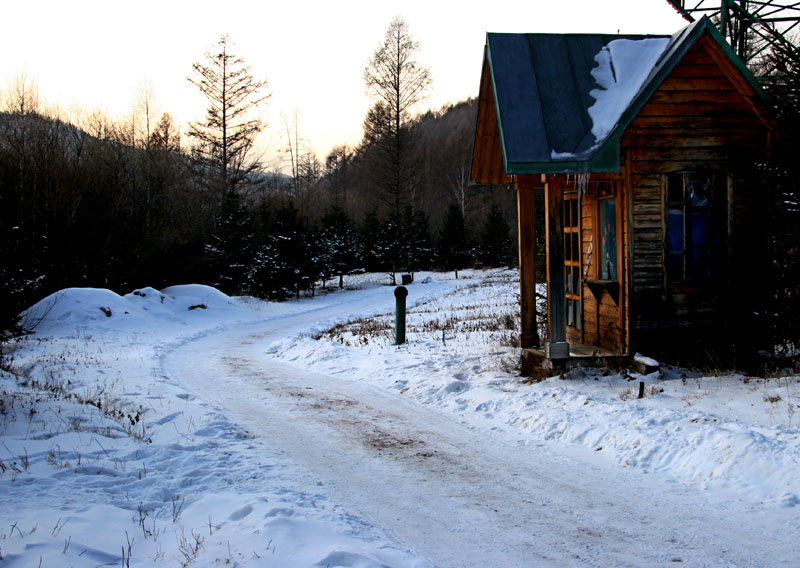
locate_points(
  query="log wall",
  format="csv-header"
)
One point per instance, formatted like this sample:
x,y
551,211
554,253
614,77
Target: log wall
x,y
703,117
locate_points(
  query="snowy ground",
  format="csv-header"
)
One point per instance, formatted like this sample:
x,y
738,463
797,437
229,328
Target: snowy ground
x,y
182,427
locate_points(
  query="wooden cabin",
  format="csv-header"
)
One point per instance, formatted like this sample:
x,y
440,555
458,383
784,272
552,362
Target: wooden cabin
x,y
641,145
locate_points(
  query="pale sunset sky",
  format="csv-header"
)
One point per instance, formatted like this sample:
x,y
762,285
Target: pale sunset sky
x,y
94,55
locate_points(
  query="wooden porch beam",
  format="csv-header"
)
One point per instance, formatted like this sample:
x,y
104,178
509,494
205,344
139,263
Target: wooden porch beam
x,y
526,231
557,346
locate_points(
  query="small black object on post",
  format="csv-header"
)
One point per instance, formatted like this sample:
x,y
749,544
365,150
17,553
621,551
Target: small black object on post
x,y
400,294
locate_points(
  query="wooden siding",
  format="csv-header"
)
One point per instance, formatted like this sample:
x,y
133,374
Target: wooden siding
x,y
487,154
703,117
603,314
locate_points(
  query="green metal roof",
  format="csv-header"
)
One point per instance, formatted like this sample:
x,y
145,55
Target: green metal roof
x,y
542,86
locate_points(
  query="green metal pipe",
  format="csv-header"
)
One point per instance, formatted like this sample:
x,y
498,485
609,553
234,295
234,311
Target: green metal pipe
x,y
400,294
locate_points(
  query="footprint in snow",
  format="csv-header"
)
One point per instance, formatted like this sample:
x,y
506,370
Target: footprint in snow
x,y
240,514
349,560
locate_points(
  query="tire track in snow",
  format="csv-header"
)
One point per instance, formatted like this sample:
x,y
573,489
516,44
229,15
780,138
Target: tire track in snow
x,y
459,496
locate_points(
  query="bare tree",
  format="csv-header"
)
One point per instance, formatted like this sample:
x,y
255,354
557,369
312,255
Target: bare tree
x,y
397,82
292,149
337,164
22,96
145,111
227,135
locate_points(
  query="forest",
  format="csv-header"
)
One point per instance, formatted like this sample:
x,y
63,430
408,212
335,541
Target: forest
x,y
93,202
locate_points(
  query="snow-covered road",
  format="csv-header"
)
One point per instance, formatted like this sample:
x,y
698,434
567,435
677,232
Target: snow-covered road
x,y
454,493
184,427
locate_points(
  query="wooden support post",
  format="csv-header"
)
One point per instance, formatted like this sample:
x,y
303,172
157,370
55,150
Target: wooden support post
x,y
557,346
526,230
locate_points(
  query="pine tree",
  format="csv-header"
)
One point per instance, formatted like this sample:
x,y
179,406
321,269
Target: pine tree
x,y
371,241
393,245
286,264
418,249
21,277
495,242
454,246
230,251
337,240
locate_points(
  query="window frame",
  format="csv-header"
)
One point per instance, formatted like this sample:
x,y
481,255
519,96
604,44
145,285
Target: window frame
x,y
573,252
703,226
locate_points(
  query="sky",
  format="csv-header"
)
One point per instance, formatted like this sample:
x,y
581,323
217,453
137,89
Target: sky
x,y
97,55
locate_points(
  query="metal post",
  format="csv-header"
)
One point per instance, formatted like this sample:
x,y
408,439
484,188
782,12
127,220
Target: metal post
x,y
400,294
724,15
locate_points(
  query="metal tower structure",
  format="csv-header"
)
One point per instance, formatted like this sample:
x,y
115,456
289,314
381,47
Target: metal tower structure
x,y
763,33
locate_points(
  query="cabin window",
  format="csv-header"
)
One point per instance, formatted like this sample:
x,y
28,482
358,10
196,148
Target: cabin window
x,y
692,216
607,257
572,260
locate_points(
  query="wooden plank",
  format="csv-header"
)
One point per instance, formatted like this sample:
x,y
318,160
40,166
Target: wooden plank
x,y
554,220
673,108
705,154
695,123
741,84
696,97
695,57
667,129
608,308
680,83
689,140
526,225
710,70
487,158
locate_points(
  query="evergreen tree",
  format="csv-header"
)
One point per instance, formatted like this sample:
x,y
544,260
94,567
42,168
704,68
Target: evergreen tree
x,y
454,247
371,241
284,265
230,251
418,249
495,243
393,245
337,241
21,276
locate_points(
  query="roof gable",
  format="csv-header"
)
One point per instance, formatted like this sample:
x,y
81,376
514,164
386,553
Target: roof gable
x,y
563,101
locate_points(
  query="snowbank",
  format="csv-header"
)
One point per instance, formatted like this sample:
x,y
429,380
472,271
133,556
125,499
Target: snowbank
x,y
106,458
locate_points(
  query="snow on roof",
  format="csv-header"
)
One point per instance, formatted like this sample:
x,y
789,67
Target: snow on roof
x,y
562,99
623,67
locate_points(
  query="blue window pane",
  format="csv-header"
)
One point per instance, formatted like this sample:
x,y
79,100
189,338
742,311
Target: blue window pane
x,y
608,239
675,230
700,264
699,228
578,314
570,319
675,188
675,267
699,189
576,249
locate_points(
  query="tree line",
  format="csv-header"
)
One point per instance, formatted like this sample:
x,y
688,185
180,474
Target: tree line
x,y
122,204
